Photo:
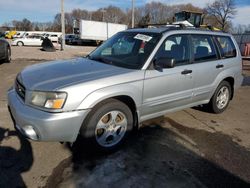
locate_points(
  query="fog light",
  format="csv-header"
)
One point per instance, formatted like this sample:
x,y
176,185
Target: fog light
x,y
30,132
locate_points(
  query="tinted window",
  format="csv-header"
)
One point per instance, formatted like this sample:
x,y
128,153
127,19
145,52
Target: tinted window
x,y
226,46
203,48
175,47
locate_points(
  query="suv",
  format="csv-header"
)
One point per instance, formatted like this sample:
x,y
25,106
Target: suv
x,y
134,76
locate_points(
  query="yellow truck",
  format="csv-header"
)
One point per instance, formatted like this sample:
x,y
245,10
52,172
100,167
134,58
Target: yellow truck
x,y
10,34
193,17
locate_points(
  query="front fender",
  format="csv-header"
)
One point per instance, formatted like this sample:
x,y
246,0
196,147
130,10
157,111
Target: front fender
x,y
133,90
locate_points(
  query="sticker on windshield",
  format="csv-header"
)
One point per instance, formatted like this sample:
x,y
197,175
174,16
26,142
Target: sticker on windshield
x,y
143,37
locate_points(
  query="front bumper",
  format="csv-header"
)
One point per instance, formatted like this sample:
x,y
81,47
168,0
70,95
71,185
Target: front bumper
x,y
44,126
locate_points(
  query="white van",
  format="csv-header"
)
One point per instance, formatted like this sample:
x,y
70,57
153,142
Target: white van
x,y
53,36
29,33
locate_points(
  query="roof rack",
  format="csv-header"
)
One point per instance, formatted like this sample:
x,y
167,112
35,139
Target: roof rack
x,y
181,26
167,25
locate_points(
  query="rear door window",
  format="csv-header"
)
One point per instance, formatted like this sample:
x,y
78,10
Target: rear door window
x,y
226,46
203,48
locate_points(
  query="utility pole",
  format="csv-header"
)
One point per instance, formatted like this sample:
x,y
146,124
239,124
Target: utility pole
x,y
103,11
133,14
63,25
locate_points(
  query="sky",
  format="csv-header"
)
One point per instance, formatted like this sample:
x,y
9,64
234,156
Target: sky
x,y
45,10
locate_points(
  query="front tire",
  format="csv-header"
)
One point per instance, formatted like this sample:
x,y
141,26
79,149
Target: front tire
x,y
107,125
220,100
20,43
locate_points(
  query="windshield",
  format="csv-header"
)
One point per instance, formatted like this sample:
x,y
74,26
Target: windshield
x,y
126,49
181,16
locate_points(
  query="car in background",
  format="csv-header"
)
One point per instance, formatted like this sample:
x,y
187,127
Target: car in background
x,y
75,40
5,50
2,35
32,33
53,36
72,39
69,38
33,40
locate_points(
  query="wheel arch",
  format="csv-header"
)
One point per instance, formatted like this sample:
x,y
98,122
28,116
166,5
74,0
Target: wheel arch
x,y
84,130
231,81
132,106
127,100
20,42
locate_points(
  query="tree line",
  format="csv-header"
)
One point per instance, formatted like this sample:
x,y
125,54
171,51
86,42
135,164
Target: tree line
x,y
218,14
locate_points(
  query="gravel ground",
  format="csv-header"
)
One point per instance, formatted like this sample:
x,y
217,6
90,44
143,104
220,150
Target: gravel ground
x,y
35,53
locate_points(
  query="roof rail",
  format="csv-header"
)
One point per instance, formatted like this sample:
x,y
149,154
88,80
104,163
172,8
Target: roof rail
x,y
181,25
153,25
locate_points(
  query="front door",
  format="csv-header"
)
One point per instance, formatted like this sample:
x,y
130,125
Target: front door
x,y
169,88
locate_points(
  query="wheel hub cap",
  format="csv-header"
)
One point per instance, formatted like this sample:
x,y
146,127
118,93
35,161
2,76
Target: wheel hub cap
x,y
111,128
222,98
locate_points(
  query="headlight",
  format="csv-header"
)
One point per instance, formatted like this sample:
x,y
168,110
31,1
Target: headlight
x,y
50,100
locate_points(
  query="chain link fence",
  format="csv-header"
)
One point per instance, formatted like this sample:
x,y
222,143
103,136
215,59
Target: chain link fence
x,y
243,41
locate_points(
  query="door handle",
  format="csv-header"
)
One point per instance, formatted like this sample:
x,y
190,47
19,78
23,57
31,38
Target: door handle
x,y
219,66
186,72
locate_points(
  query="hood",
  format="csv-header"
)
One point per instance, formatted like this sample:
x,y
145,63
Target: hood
x,y
58,74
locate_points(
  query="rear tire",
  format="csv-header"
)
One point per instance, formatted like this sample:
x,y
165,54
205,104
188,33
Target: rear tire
x,y
107,125
220,100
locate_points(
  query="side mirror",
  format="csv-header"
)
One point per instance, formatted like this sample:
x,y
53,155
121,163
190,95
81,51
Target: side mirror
x,y
160,63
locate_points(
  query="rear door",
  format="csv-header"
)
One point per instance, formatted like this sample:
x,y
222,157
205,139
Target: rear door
x,y
169,88
206,66
35,41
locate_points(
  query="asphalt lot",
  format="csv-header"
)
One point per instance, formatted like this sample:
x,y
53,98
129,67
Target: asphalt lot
x,y
190,148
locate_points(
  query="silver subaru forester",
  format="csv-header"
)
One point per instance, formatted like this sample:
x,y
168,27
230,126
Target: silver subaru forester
x,y
134,76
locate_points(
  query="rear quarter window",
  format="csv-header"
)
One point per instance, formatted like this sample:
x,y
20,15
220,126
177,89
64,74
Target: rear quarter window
x,y
226,46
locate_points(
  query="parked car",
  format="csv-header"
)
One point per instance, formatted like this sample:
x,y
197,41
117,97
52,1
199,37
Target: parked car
x,y
31,40
53,36
134,76
2,35
5,50
32,33
68,38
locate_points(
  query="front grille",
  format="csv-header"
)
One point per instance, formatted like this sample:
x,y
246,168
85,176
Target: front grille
x,y
20,89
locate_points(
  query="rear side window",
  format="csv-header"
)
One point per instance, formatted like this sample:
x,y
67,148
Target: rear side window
x,y
227,48
203,48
